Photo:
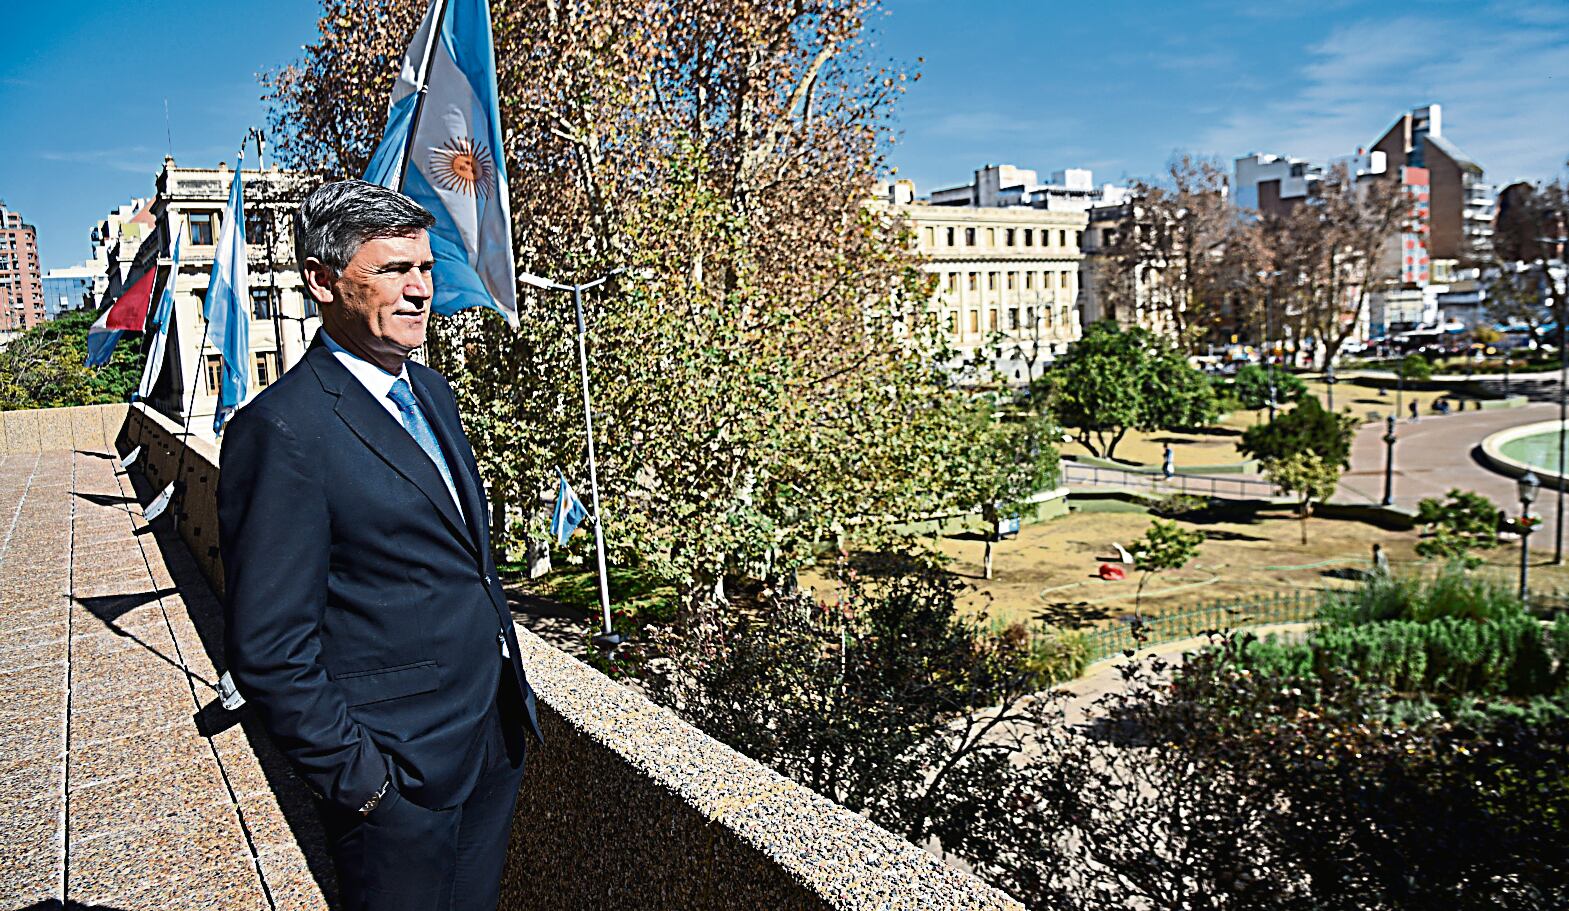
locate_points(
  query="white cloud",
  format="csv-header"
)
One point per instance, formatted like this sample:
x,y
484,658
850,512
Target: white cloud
x,y
1502,78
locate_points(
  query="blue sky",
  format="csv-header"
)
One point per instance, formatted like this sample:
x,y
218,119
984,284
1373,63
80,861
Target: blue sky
x,y
1116,86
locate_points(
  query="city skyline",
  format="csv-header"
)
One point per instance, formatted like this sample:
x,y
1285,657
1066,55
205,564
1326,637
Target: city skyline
x,y
1117,88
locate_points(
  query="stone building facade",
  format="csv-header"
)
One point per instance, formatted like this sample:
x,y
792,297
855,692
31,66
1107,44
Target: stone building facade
x,y
1007,281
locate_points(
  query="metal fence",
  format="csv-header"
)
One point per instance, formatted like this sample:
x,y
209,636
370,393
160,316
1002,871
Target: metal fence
x,y
1291,607
1231,487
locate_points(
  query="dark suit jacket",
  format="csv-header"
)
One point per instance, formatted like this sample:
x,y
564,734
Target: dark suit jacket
x,y
364,619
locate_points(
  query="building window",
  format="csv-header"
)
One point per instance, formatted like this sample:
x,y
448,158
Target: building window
x,y
214,373
1066,283
1029,237
1029,316
1013,281
973,277
1078,238
1108,236
1062,238
991,319
1013,317
203,227
991,281
261,303
950,237
991,237
969,237
1029,281
975,321
953,324
266,367
255,226
930,234
1008,237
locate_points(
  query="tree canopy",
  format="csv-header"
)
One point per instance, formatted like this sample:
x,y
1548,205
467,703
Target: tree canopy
x,y
1114,380
1306,428
46,367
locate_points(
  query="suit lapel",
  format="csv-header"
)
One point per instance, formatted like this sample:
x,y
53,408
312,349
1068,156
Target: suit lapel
x,y
384,436
449,433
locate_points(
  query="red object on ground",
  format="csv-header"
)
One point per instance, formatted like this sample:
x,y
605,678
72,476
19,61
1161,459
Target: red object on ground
x,y
1112,572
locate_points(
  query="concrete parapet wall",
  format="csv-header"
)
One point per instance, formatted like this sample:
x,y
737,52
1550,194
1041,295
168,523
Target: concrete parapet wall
x,y
197,509
89,428
628,807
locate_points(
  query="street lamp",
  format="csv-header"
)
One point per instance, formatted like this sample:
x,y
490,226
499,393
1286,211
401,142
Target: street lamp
x,y
1389,461
1330,381
1527,487
607,639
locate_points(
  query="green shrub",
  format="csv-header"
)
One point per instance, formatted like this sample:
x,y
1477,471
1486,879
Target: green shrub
x,y
1452,593
1057,657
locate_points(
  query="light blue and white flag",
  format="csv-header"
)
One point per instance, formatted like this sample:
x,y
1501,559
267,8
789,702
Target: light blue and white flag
x,y
456,164
158,325
569,512
227,306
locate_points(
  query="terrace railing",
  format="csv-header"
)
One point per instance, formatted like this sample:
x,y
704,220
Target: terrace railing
x,y
1233,487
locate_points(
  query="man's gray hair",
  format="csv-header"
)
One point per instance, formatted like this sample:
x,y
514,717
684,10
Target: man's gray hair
x,y
337,217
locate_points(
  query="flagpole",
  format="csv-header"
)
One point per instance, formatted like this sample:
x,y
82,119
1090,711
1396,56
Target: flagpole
x,y
419,102
607,638
273,303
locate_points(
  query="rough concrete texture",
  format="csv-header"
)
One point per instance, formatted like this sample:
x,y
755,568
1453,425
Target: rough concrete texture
x,y
85,427
628,807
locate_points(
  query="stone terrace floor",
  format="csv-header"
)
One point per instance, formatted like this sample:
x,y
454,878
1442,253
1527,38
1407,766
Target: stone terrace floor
x,y
123,785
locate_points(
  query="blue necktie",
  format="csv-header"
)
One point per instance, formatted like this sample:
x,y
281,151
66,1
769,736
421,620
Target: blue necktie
x,y
419,428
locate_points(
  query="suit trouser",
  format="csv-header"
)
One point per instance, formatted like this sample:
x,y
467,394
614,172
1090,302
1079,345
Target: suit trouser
x,y
404,857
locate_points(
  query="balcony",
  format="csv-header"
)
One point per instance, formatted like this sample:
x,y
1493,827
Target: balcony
x,y
127,787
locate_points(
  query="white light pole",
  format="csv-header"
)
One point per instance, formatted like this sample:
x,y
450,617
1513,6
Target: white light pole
x,y
1526,487
607,638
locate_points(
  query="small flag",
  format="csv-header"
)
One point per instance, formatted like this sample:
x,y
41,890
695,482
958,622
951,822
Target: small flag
x,y
127,309
228,694
130,458
569,512
226,308
159,503
159,324
456,165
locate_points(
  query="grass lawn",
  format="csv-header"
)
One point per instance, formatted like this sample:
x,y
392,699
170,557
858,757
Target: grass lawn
x,y
1048,573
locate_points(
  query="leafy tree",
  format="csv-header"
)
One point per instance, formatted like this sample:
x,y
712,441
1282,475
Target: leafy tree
x,y
1306,428
1015,458
764,373
45,367
1252,384
1462,522
1307,475
1114,380
887,699
1166,545
1415,367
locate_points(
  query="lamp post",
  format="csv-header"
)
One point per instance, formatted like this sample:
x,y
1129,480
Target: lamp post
x,y
1527,487
1389,461
1329,382
607,638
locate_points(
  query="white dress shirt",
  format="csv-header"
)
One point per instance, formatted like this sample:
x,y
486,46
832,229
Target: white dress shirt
x,y
378,383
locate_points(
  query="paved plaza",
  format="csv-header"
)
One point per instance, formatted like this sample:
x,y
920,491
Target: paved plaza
x,y
110,794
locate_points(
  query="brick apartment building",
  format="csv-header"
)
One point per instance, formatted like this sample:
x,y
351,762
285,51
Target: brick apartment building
x,y
21,282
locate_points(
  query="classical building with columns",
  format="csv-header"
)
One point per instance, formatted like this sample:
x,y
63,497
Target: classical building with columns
x,y
1007,280
283,319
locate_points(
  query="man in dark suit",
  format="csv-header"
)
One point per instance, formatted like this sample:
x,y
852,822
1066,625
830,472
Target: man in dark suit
x,y
364,620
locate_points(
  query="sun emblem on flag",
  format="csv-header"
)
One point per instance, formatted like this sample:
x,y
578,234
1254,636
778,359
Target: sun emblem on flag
x,y
462,164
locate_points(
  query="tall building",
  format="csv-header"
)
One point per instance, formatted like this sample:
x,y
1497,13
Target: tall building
x,y
283,319
21,283
1462,204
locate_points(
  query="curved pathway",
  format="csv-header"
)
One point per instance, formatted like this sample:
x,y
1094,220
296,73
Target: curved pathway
x,y
1434,455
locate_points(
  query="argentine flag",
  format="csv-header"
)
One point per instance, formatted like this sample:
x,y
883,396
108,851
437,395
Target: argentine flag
x,y
569,512
159,324
456,164
227,306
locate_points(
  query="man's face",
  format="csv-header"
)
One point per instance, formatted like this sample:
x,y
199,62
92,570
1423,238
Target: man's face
x,y
379,305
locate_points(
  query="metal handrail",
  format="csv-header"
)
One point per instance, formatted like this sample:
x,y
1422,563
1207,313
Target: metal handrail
x,y
1198,485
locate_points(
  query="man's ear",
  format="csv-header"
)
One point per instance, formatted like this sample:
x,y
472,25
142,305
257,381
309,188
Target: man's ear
x,y
318,280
